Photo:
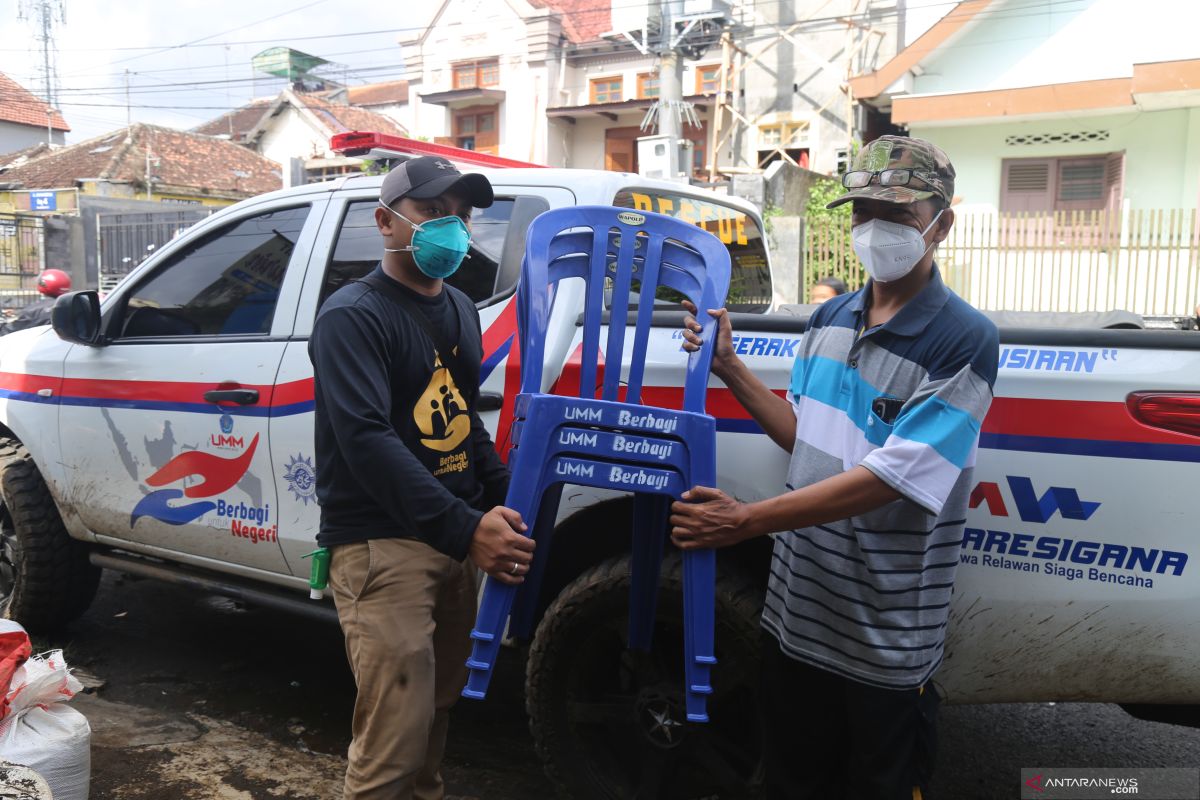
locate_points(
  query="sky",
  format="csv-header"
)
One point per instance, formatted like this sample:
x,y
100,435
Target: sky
x,y
188,60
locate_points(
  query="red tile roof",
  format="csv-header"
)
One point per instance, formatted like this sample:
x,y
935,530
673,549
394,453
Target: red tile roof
x,y
237,123
19,105
182,163
339,118
334,117
582,20
378,94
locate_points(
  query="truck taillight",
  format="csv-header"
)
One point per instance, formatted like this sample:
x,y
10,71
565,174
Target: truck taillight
x,y
1172,411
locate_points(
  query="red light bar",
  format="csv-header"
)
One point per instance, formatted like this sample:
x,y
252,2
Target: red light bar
x,y
361,143
1175,411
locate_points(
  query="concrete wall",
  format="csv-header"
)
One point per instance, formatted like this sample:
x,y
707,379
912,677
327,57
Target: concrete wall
x,y
1162,156
291,135
66,249
789,84
14,137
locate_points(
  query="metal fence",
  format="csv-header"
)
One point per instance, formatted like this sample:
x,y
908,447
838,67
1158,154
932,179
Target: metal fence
x,y
1143,261
22,257
127,239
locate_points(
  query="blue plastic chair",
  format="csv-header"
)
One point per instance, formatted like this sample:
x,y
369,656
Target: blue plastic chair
x,y
612,441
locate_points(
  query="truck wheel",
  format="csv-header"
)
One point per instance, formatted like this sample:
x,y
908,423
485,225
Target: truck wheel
x,y
45,577
610,723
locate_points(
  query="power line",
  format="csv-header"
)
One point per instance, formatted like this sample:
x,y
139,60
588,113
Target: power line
x,y
1042,4
222,33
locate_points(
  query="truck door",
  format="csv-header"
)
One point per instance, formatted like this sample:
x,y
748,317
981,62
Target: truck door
x,y
349,247
165,428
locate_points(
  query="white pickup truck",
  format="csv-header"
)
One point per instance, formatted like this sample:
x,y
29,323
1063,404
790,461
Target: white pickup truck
x,y
169,433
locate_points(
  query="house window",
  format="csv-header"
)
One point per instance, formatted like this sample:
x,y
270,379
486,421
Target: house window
x,y
607,90
472,74
648,85
475,129
1047,185
708,79
783,137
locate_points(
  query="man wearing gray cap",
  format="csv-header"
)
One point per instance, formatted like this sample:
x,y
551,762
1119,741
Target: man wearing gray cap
x,y
882,419
409,483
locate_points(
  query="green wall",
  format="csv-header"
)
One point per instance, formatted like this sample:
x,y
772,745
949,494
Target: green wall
x,y
1162,154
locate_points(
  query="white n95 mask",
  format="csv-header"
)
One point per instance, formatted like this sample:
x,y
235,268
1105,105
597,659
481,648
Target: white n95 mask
x,y
889,250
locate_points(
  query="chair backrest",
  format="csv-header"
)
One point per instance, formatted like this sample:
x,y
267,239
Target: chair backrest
x,y
596,243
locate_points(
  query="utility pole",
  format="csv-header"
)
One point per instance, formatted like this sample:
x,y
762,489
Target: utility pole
x,y
149,178
679,36
670,81
128,107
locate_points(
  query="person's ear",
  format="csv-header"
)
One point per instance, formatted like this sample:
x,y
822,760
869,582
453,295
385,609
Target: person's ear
x,y
942,229
384,220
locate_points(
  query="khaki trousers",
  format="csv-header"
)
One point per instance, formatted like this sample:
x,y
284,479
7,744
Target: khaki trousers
x,y
406,611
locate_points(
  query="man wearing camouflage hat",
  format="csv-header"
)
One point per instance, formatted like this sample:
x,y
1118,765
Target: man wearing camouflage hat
x,y
882,421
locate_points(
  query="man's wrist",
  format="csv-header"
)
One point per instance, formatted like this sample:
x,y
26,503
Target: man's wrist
x,y
727,369
752,525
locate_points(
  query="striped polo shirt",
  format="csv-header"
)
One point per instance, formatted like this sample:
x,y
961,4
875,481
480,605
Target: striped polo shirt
x,y
868,597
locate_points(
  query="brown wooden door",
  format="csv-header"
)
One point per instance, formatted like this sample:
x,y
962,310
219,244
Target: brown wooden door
x,y
620,149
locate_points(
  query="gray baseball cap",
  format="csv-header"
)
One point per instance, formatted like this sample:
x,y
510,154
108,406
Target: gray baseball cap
x,y
430,176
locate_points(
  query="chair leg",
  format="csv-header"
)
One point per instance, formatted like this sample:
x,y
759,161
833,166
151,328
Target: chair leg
x,y
650,518
699,599
496,602
525,606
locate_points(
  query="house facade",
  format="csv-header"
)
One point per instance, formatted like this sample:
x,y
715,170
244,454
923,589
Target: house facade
x,y
566,82
1052,112
26,120
293,130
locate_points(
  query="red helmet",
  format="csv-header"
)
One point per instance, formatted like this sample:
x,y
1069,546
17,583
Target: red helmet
x,y
53,282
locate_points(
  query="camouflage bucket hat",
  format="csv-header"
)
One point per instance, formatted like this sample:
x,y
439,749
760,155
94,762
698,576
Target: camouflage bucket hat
x,y
932,172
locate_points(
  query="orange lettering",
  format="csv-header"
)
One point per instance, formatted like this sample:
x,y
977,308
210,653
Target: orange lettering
x,y
641,202
666,206
740,227
725,228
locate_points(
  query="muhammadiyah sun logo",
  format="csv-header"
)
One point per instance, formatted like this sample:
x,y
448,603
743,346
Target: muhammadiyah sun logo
x,y
440,413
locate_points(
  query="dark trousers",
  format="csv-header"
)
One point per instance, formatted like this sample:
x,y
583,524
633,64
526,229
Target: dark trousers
x,y
832,738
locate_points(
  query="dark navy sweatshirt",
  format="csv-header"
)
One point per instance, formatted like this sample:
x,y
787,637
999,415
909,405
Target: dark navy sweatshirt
x,y
400,450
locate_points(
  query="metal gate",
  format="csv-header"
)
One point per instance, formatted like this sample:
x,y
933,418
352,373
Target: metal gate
x,y
127,239
22,257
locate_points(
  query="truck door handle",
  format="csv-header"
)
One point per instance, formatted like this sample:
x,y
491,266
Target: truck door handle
x,y
242,397
489,401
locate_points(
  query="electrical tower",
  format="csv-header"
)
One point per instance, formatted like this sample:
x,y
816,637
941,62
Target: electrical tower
x,y
44,15
672,30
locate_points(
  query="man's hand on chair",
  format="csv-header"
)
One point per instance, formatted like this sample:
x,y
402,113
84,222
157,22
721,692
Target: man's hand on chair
x,y
500,548
708,517
723,356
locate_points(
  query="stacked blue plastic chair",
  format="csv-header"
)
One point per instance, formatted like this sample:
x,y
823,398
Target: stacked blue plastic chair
x,y
612,441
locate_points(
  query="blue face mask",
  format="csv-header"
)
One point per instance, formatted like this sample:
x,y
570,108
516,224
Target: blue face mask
x,y
438,246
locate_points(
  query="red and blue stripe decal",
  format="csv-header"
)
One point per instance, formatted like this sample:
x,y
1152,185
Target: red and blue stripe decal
x,y
1068,427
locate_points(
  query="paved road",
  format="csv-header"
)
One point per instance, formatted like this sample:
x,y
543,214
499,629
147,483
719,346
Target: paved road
x,y
203,698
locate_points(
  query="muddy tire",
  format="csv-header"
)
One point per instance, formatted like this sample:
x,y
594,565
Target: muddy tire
x,y
45,577
609,723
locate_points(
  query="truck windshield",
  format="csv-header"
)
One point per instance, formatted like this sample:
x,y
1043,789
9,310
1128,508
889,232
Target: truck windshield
x,y
750,284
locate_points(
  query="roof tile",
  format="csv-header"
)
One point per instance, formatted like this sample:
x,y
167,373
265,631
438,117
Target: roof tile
x,y
182,161
19,105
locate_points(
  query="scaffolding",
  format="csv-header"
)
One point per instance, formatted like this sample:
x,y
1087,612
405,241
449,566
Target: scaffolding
x,y
735,60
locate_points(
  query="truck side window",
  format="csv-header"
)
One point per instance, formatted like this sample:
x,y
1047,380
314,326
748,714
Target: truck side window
x,y
226,283
750,279
359,249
